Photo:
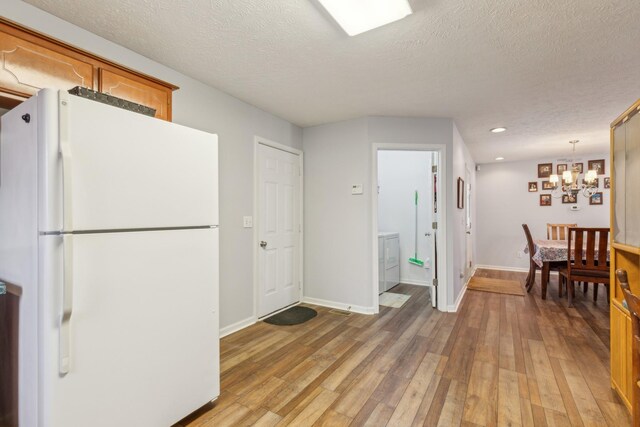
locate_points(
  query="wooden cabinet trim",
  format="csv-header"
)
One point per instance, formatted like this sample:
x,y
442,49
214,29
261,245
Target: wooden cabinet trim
x,y
629,112
59,46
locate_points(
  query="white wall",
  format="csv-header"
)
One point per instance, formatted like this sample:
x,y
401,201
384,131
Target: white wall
x,y
338,231
400,174
202,107
504,204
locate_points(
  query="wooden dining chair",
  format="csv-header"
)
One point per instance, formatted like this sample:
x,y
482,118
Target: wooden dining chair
x,y
558,231
586,265
531,277
633,302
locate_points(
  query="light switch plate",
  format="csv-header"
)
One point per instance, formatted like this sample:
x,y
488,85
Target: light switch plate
x,y
247,222
356,189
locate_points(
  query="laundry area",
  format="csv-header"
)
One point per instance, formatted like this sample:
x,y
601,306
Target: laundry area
x,y
406,213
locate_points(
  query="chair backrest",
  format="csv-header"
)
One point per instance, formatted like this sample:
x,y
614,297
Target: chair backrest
x,y
634,308
558,231
530,244
585,242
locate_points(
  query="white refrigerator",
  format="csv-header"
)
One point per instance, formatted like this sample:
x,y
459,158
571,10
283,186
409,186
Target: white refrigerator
x,y
109,224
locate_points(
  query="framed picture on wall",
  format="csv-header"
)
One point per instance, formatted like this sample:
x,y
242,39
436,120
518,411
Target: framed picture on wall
x,y
569,198
577,165
596,165
607,182
545,200
533,187
596,199
547,185
460,193
544,170
561,167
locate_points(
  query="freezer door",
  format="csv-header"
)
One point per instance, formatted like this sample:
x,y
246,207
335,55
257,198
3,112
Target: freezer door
x,y
143,328
114,169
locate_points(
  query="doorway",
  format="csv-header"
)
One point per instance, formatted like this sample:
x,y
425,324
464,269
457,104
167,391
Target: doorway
x,y
407,205
278,227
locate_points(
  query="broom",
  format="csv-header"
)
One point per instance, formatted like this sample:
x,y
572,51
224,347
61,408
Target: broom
x,y
415,260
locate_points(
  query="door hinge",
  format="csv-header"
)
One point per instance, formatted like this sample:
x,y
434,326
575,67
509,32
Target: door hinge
x,y
434,225
434,168
435,282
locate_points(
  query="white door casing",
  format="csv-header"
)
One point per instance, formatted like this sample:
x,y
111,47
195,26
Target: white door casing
x,y
440,158
279,227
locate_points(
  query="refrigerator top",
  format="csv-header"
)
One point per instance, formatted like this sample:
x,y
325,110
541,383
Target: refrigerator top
x,y
106,169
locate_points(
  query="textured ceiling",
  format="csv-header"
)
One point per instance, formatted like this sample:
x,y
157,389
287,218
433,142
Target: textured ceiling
x,y
549,70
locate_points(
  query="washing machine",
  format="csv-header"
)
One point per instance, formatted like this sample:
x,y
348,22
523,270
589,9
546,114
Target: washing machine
x,y
388,260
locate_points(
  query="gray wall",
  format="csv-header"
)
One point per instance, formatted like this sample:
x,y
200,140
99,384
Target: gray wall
x,y
504,204
461,161
202,107
338,226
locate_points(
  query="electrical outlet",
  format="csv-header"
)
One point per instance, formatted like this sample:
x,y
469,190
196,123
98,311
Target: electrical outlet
x,y
356,189
247,222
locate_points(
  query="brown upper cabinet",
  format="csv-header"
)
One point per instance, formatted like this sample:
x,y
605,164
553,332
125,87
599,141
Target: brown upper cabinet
x,y
30,61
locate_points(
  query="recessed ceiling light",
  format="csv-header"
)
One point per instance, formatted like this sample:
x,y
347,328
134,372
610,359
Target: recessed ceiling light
x,y
499,158
498,130
357,16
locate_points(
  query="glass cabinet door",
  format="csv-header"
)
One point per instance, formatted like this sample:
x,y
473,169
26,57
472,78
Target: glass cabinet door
x,y
619,153
632,181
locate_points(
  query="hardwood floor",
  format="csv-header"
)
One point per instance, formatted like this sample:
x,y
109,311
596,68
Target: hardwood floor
x,y
501,360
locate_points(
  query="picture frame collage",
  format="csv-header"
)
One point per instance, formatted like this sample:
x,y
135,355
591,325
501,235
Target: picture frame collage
x,y
545,170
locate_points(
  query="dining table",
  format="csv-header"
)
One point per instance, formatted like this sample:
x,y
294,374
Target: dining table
x,y
550,252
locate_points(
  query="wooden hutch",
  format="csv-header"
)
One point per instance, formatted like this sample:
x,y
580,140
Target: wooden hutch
x,y
625,245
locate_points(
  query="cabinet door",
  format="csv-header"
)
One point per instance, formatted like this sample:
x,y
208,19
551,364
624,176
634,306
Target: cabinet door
x,y
136,91
26,67
621,353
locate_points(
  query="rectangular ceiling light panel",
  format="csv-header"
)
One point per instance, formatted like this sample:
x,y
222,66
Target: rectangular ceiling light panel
x,y
358,16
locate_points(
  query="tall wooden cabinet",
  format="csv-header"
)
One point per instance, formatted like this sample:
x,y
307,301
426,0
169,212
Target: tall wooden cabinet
x,y
30,61
625,243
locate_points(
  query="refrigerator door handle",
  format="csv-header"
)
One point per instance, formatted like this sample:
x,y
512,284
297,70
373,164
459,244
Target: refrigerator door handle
x,y
65,152
67,304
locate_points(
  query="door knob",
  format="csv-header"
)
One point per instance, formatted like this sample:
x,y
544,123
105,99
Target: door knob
x,y
263,244
468,232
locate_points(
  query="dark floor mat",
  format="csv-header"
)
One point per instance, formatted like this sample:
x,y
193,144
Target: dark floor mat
x,y
292,316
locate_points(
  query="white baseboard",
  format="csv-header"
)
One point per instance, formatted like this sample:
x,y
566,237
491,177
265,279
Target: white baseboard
x,y
455,306
235,327
502,267
414,282
339,305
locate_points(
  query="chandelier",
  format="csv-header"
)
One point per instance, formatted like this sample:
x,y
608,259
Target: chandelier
x,y
570,185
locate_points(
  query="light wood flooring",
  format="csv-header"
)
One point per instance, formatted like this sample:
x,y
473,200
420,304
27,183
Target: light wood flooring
x,y
501,360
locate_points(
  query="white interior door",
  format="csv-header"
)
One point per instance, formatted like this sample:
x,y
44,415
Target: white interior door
x,y
279,229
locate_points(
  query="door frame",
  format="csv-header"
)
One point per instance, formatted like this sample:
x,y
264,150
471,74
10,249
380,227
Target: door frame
x,y
469,224
258,141
441,149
